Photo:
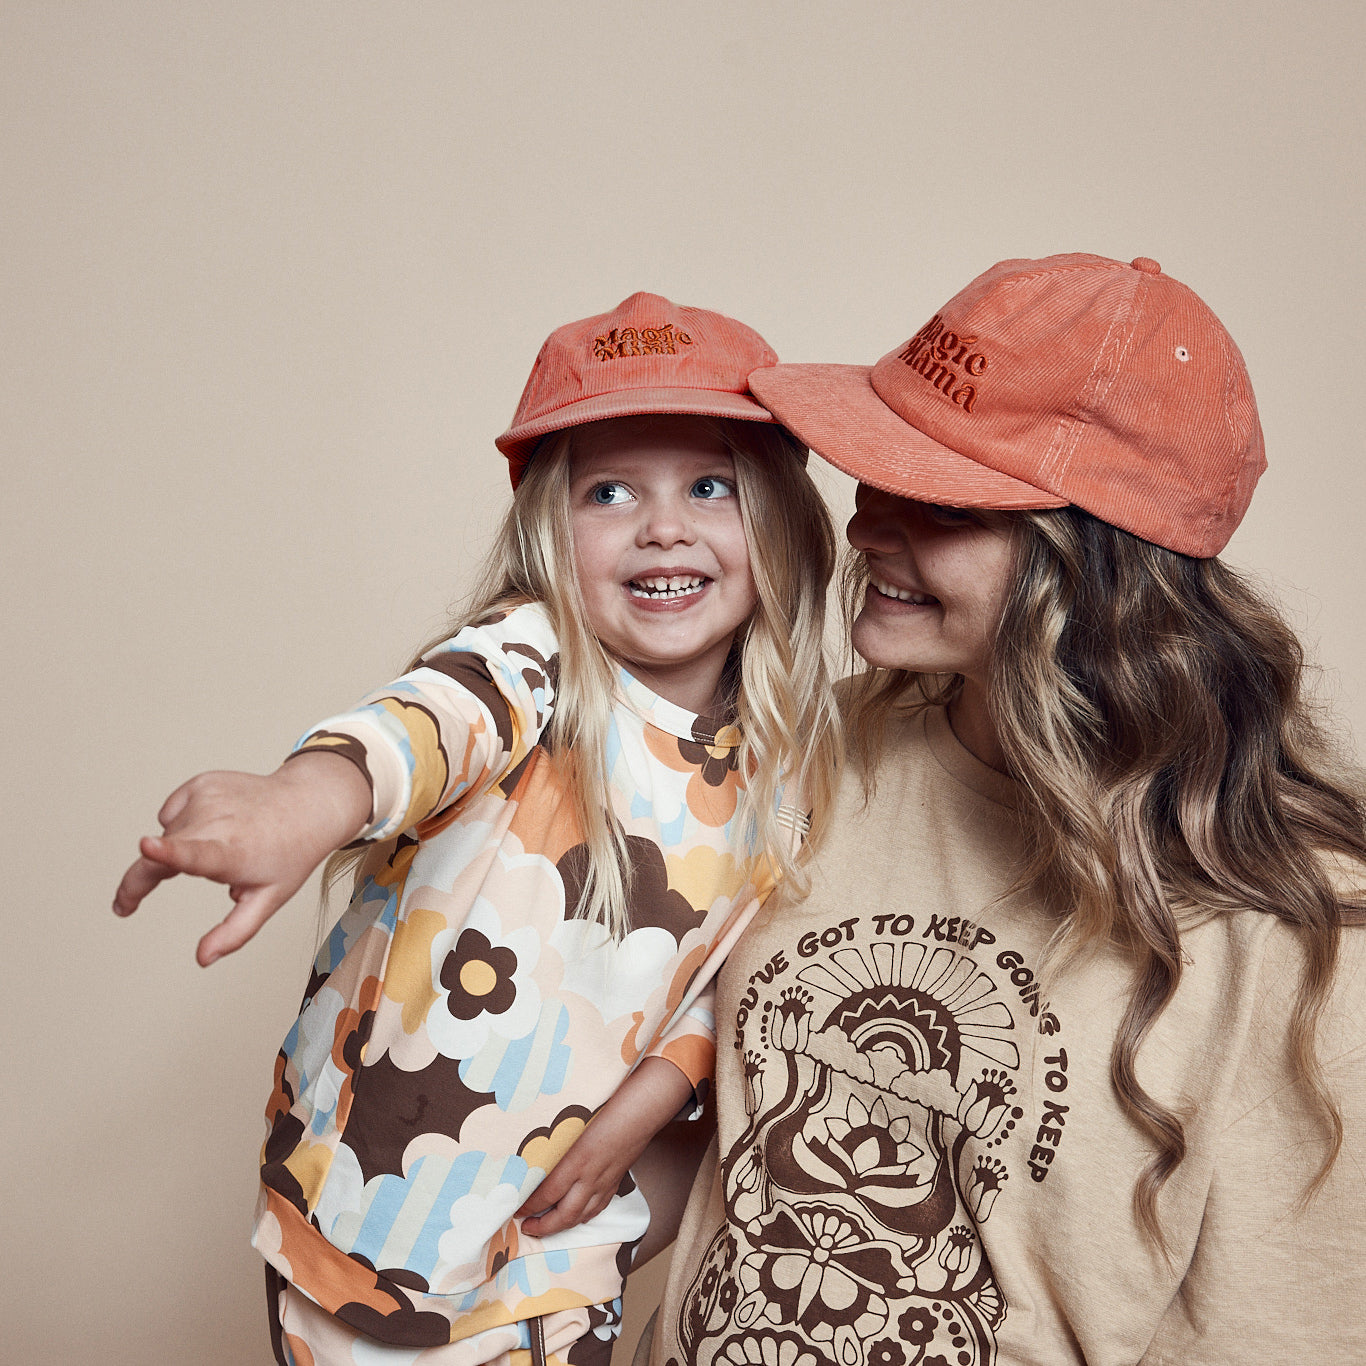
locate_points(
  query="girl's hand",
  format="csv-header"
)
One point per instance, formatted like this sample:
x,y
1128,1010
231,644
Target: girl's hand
x,y
586,1178
261,836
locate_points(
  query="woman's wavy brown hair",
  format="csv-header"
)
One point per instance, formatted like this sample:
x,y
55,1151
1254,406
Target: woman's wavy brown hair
x,y
1152,708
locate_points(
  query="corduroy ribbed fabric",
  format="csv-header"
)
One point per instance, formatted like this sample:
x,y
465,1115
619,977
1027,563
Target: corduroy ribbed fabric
x,y
1072,379
647,355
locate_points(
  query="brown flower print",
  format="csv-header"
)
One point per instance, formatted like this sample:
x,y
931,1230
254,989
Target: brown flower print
x,y
983,1186
478,977
886,1352
917,1325
715,785
956,1253
985,1102
766,1348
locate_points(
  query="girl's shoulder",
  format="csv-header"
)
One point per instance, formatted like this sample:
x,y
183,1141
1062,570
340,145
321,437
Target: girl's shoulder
x,y
521,630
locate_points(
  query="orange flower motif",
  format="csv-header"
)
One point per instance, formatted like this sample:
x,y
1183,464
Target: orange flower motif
x,y
502,1249
350,1035
281,1096
715,783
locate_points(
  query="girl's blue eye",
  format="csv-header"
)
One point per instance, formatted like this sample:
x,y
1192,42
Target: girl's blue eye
x,y
712,486
607,494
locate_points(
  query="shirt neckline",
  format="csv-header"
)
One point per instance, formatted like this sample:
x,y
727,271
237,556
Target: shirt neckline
x,y
672,719
962,765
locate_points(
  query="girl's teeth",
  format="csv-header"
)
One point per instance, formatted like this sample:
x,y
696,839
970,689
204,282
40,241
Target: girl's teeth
x,y
680,585
902,594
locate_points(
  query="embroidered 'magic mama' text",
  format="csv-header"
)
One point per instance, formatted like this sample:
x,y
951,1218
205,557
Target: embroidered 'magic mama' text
x,y
622,342
939,355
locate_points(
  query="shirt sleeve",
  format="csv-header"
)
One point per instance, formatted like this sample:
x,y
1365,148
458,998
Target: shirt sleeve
x,y
469,714
690,1044
689,1041
1279,1271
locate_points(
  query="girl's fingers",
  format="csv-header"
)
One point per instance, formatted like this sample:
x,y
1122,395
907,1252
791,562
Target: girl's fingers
x,y
253,907
140,878
176,803
568,1211
201,858
553,1189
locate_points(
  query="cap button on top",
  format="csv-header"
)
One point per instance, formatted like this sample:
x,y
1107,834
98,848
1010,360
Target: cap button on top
x,y
1147,265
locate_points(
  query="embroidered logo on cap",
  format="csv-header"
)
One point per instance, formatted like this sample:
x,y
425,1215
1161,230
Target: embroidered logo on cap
x,y
623,342
938,355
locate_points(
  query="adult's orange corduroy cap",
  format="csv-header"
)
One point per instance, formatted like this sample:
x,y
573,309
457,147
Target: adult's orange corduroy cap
x,y
646,356
1071,379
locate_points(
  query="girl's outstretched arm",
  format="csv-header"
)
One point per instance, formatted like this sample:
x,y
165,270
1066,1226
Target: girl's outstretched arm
x,y
586,1178
260,835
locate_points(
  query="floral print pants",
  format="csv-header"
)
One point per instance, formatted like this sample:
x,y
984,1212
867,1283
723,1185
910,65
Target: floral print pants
x,y
302,1334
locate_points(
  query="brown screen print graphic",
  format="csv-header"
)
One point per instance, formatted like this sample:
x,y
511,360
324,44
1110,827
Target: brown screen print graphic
x,y
881,1089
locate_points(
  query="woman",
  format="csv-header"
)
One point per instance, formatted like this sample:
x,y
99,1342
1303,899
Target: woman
x,y
1061,1061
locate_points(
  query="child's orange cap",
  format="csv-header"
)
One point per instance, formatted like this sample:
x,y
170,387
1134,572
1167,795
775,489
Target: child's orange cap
x,y
646,356
1072,379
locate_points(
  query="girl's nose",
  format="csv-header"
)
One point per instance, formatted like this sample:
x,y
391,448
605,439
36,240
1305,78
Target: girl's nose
x,y
879,523
666,522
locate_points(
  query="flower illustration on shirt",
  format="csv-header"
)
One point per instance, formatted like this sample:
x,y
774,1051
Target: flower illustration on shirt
x,y
477,976
820,1271
956,1253
886,1352
867,1144
983,1186
485,983
985,1102
712,763
766,1349
792,1020
917,1325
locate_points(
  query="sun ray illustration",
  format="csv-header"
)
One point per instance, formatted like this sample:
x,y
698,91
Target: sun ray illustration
x,y
933,1004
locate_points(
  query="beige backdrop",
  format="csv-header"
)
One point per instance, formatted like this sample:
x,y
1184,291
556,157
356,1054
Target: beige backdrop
x,y
273,277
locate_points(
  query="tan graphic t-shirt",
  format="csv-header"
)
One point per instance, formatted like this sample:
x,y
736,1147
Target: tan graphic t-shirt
x,y
920,1158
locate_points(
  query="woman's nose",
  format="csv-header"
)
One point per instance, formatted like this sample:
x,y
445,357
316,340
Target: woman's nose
x,y
879,523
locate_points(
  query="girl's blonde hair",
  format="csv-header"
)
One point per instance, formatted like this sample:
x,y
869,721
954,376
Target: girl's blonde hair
x,y
1151,707
776,682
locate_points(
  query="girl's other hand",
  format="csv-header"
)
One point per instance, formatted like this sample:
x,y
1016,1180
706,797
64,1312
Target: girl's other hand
x,y
260,836
586,1178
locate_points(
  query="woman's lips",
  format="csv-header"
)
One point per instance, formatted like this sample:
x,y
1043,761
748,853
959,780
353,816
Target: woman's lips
x,y
907,595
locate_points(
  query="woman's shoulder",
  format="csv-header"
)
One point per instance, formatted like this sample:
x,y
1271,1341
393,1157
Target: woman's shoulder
x,y
1288,958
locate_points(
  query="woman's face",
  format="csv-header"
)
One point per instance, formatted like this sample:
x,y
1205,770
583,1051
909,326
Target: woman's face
x,y
938,578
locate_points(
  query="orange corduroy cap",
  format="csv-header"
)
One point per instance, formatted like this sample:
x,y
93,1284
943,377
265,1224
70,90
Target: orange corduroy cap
x,y
1072,379
646,356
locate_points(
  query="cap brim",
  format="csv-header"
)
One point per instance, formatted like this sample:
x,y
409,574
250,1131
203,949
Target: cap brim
x,y
836,411
517,443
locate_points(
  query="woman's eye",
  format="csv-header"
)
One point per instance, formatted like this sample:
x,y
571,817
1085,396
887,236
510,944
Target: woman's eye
x,y
712,486
943,515
607,494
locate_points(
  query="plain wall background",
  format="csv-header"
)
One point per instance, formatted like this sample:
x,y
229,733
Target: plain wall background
x,y
273,276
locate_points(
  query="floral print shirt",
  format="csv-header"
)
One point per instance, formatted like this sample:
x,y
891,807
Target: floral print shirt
x,y
462,1024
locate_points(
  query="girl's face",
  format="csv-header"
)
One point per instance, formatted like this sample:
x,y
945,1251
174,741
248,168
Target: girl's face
x,y
660,548
938,578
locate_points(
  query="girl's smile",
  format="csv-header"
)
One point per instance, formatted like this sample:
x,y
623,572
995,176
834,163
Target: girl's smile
x,y
660,548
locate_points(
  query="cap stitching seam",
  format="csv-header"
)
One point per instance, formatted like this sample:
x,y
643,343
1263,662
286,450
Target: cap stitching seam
x,y
607,393
1070,427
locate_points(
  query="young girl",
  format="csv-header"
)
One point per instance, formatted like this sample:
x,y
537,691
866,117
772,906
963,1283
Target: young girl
x,y
566,814
1061,1061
